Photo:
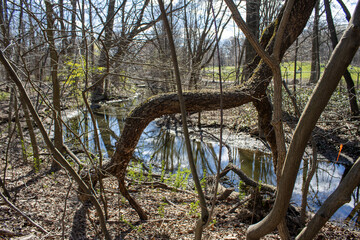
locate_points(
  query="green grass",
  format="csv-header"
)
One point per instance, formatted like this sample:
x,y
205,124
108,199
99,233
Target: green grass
x,y
287,70
228,73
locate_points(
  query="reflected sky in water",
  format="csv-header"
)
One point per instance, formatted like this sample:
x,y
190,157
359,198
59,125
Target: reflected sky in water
x,y
165,148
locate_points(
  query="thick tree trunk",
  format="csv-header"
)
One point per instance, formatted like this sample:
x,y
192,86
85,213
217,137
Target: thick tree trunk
x,y
253,22
253,90
338,62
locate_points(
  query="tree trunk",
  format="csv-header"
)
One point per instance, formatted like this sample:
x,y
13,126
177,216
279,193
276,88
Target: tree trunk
x,y
73,27
20,131
98,93
315,64
252,91
340,59
253,22
354,108
58,138
29,123
55,152
339,197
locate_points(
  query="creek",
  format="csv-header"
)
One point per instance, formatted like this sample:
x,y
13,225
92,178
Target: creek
x,y
164,149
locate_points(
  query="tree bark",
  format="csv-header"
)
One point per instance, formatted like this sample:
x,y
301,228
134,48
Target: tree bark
x,y
315,64
56,153
253,22
54,59
338,62
20,131
252,91
354,108
128,33
73,27
98,90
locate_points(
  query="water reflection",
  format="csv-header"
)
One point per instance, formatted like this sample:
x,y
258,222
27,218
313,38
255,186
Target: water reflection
x,y
164,148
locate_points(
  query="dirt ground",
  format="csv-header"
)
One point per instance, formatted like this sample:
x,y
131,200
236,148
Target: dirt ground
x,y
51,200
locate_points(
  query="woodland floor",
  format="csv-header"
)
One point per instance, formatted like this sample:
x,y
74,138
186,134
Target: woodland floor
x,y
51,200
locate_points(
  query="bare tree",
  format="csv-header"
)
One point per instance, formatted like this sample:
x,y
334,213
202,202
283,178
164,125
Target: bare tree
x,y
54,60
199,38
334,41
315,59
252,91
132,24
345,51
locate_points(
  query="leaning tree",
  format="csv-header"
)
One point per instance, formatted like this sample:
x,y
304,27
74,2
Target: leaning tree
x,y
252,91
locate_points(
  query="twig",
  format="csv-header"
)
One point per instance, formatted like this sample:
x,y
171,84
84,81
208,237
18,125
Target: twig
x,y
57,155
165,186
23,214
173,204
242,202
204,210
64,214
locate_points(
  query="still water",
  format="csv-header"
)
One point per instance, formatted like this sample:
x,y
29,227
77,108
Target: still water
x,y
164,148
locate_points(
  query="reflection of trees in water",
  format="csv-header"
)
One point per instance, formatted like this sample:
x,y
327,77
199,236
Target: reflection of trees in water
x,y
163,149
256,165
354,215
166,150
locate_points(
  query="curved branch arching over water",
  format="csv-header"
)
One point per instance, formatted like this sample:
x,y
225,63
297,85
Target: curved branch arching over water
x,y
252,91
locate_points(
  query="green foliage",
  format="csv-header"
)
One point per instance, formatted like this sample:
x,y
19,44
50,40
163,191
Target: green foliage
x,y
203,180
162,170
178,179
75,75
141,173
194,208
4,96
213,222
242,189
161,209
136,171
131,170
149,178
122,219
259,186
36,163
138,228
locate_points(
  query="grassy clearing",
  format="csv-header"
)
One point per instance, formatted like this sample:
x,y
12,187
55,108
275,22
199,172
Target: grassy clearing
x,y
287,68
304,70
